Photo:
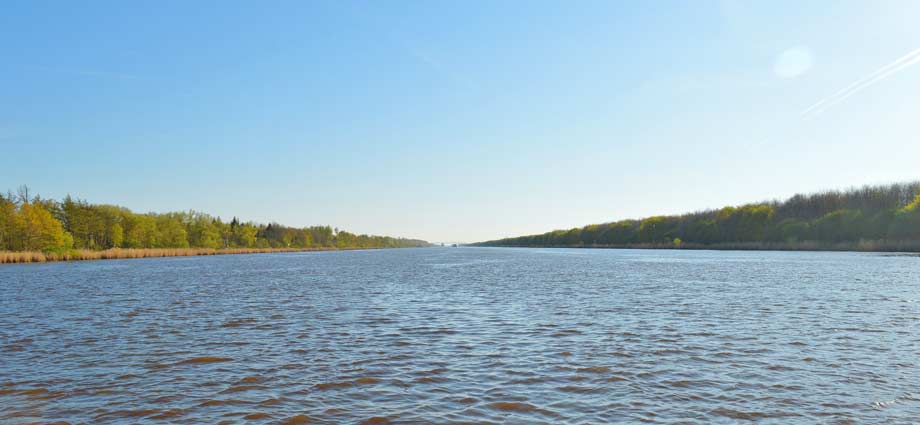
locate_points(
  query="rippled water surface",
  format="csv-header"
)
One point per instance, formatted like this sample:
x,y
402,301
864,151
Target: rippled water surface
x,y
476,335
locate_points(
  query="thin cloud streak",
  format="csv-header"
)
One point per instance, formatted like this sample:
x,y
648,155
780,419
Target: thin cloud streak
x,y
863,83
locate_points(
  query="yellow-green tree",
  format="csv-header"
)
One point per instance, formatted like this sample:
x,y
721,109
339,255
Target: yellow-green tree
x,y
116,235
38,229
203,231
906,223
171,232
139,230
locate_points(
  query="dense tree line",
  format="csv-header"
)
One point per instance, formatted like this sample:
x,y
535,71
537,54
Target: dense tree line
x,y
872,213
30,223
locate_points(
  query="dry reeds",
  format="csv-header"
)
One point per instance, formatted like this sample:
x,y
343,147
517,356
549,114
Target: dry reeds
x,y
8,257
22,257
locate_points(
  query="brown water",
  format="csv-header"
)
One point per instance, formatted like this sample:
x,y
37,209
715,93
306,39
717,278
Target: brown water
x,y
456,335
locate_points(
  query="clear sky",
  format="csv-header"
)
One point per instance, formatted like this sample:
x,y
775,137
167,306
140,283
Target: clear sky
x,y
455,120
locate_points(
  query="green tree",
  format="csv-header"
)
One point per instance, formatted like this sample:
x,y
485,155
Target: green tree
x,y
39,230
203,231
792,230
658,229
906,222
8,223
171,232
753,222
620,233
703,231
244,236
140,230
116,235
839,226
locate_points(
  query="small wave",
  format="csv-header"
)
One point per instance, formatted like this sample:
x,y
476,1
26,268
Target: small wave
x,y
435,371
169,414
431,380
256,416
299,419
594,369
578,389
166,399
531,381
241,388
681,383
567,332
237,323
779,368
231,402
130,413
667,351
251,380
206,359
513,406
888,403
883,404
346,384
750,416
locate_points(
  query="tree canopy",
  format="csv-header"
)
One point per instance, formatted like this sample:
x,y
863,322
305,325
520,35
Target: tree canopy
x,y
30,223
871,213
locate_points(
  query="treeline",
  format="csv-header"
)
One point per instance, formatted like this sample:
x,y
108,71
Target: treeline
x,y
30,223
871,216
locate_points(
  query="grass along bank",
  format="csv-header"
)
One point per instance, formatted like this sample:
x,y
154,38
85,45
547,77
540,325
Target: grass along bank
x,y
12,257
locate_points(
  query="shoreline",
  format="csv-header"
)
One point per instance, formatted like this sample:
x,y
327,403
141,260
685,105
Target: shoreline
x,y
23,257
861,246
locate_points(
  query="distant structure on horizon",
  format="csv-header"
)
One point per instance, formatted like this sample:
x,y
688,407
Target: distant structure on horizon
x,y
448,244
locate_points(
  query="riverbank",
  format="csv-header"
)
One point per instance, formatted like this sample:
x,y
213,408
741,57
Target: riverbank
x,y
860,246
12,257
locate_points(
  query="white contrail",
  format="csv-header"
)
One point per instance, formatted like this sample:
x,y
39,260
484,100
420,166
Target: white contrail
x,y
871,82
880,74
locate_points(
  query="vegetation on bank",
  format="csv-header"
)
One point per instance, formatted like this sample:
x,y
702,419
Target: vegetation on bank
x,y
7,257
45,229
871,218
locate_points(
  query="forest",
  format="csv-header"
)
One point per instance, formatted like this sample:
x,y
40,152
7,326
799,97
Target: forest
x,y
32,223
881,217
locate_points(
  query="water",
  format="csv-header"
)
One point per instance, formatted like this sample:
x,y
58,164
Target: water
x,y
448,335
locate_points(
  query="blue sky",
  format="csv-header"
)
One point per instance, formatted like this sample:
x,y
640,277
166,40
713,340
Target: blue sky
x,y
455,121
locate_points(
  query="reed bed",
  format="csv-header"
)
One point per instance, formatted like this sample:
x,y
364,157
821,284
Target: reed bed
x,y
10,257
